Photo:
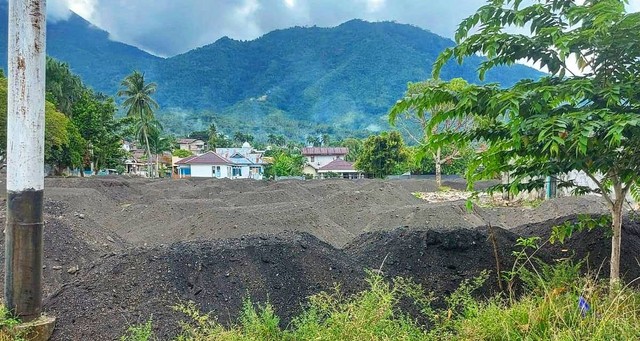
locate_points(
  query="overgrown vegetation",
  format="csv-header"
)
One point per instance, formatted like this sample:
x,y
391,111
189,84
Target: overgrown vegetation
x,y
576,119
558,303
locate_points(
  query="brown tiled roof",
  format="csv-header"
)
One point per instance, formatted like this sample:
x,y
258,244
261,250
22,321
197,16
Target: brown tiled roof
x,y
208,158
337,165
308,151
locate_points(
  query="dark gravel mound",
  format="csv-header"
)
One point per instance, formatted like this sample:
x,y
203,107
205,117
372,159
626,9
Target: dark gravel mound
x,y
438,259
593,246
129,287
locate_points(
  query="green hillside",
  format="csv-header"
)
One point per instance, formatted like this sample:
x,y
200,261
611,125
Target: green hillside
x,y
296,81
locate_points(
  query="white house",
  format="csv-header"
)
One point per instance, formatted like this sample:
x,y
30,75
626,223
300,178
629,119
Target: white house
x,y
213,165
318,157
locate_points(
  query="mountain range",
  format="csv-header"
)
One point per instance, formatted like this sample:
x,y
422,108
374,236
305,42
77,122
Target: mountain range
x,y
296,81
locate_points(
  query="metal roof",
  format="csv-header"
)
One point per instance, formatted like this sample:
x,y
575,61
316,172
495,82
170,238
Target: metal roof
x,y
308,151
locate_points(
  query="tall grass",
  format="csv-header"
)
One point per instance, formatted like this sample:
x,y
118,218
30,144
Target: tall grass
x,y
548,309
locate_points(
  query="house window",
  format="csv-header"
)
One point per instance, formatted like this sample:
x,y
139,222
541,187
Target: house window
x,y
312,158
216,171
236,171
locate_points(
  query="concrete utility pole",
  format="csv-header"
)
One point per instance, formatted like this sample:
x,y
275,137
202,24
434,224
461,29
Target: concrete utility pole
x,y
25,158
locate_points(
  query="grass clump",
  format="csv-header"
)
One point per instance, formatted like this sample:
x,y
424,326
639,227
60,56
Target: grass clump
x,y
141,332
555,302
370,315
558,304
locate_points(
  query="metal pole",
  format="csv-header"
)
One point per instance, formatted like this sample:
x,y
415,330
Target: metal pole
x,y
25,158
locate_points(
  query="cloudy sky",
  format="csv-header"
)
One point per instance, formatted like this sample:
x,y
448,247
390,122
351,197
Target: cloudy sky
x,y
170,27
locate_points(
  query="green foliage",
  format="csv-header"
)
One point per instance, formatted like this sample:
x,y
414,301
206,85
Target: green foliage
x,y
564,231
355,148
94,115
564,122
285,163
422,162
239,138
140,107
383,155
369,315
549,310
7,323
142,332
63,88
182,153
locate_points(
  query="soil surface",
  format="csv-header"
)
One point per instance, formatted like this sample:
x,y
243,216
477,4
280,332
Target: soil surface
x,y
120,250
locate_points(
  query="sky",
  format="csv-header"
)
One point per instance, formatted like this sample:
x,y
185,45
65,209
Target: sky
x,y
170,27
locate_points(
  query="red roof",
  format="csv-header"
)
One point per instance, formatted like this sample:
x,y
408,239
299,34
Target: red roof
x,y
308,151
338,165
208,158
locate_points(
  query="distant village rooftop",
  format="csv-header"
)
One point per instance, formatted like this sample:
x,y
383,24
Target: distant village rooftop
x,y
309,151
208,158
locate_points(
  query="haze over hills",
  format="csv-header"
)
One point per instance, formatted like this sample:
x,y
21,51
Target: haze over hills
x,y
294,81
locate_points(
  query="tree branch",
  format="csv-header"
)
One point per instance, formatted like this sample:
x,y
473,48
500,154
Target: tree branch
x,y
602,189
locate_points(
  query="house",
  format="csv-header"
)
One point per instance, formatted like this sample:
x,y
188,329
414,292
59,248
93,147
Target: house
x,y
318,157
214,165
339,168
246,151
195,146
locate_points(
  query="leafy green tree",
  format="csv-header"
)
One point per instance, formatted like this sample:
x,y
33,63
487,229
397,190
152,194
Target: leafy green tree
x,y
325,140
383,155
62,86
199,135
314,141
421,115
285,164
94,117
63,144
585,120
240,138
181,153
139,104
355,148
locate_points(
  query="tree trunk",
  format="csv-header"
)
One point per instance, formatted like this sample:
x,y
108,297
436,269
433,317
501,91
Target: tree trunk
x,y
149,166
616,240
438,167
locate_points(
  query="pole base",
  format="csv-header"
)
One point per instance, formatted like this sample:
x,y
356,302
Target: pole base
x,y
40,329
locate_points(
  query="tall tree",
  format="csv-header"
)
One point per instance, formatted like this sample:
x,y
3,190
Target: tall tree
x,y
314,141
421,115
63,87
383,155
94,117
586,119
139,104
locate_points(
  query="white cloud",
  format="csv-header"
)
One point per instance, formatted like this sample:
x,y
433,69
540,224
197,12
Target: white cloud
x,y
169,27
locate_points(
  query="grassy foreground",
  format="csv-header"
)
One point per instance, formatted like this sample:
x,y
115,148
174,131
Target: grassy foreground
x,y
557,304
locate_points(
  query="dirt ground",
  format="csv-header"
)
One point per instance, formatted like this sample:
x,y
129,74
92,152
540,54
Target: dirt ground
x,y
120,250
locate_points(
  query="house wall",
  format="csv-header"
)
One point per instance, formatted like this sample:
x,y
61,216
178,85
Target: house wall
x,y
309,170
201,171
321,160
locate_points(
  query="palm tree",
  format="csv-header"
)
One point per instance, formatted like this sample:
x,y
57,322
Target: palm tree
x,y
140,105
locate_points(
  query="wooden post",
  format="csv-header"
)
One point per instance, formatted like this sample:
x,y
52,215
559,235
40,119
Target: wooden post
x,y
25,158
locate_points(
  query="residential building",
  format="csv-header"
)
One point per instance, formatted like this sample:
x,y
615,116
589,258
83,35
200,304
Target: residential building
x,y
214,165
319,157
246,151
339,168
195,146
